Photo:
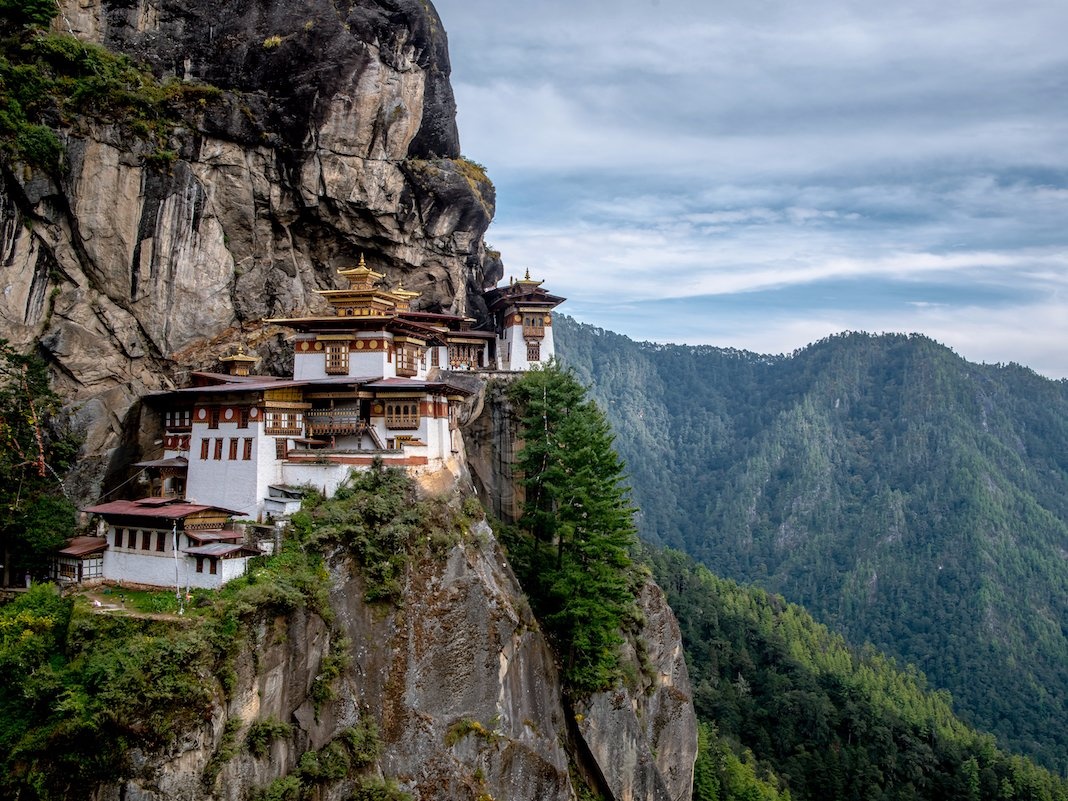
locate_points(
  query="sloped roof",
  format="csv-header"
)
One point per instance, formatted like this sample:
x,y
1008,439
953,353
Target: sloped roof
x,y
83,546
220,549
157,508
174,461
216,535
416,384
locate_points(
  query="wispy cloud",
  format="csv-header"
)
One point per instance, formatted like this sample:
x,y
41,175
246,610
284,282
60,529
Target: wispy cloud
x,y
656,150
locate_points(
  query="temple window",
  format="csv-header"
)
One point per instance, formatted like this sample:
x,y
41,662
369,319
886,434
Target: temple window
x,y
246,455
284,423
406,360
242,417
402,414
463,356
177,419
204,446
218,449
281,448
337,358
233,449
533,325
213,417
533,351
435,358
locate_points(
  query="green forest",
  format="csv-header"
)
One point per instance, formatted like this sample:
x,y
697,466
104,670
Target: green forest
x,y
84,695
905,497
788,708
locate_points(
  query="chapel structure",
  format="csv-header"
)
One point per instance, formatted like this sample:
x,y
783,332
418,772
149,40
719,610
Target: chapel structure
x,y
371,380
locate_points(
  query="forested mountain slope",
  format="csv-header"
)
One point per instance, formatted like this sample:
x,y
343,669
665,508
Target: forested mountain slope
x,y
903,495
787,707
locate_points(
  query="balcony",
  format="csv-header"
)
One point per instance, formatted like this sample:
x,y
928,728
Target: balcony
x,y
284,430
335,422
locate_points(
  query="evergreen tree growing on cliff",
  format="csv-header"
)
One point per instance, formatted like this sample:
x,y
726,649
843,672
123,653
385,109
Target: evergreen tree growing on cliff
x,y
36,517
575,558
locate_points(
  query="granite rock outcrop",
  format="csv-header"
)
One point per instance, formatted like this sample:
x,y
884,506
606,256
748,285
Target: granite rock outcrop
x,y
460,685
333,135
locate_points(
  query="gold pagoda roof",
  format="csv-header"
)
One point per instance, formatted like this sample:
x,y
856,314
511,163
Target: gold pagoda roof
x,y
239,356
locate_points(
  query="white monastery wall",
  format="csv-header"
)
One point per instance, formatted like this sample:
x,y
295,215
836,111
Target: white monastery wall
x,y
325,478
143,567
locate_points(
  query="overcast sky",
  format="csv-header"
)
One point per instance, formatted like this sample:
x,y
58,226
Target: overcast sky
x,y
762,173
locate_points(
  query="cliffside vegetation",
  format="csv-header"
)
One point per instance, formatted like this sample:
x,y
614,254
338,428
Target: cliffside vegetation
x,y
35,451
81,688
905,497
51,81
571,548
788,706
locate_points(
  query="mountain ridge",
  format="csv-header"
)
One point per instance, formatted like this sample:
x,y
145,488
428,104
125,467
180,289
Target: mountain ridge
x,y
903,495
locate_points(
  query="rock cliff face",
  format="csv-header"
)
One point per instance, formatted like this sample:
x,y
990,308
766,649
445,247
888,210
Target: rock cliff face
x,y
462,689
334,136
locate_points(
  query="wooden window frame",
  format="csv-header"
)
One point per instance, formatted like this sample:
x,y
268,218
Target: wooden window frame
x,y
533,324
233,449
337,357
213,417
403,414
205,448
146,540
289,421
533,351
406,359
217,455
161,541
246,453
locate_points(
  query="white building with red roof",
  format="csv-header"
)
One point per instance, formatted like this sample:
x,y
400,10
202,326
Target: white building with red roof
x,y
370,381
169,542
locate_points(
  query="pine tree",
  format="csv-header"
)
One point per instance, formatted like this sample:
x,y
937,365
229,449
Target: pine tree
x,y
37,518
579,521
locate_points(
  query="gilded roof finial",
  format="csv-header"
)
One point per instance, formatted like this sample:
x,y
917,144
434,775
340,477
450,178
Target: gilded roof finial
x,y
239,362
527,276
362,262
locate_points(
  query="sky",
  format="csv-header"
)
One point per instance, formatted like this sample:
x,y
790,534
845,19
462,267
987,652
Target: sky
x,y
763,174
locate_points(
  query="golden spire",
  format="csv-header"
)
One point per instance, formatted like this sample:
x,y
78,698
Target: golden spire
x,y
527,281
361,276
240,363
404,297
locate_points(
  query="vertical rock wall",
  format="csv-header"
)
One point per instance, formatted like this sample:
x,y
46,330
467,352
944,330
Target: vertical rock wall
x,y
461,686
334,136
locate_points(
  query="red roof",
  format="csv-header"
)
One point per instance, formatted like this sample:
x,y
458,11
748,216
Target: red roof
x,y
84,546
265,384
223,549
414,383
202,537
158,508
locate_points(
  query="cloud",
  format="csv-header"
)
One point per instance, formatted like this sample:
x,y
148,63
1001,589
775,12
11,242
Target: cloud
x,y
655,150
